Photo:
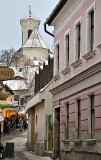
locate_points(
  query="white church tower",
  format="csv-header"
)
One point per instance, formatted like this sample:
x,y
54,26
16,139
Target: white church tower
x,y
28,24
33,45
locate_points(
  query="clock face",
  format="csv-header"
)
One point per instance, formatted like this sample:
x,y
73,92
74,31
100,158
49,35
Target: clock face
x,y
30,23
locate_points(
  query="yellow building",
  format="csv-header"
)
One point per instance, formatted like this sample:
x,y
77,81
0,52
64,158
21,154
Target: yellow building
x,y
5,101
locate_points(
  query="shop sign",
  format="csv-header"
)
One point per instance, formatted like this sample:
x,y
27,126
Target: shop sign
x,y
6,73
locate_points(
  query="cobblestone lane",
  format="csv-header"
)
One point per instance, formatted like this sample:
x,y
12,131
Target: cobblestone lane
x,y
20,140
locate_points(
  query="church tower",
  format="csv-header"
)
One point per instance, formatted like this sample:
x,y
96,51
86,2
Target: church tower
x,y
28,24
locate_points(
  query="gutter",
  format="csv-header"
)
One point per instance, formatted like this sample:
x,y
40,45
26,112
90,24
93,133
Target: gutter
x,y
47,31
54,13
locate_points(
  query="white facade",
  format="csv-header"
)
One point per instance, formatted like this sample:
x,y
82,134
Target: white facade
x,y
42,102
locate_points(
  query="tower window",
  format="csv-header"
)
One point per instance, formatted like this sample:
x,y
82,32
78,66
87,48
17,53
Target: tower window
x,y
20,69
29,33
22,37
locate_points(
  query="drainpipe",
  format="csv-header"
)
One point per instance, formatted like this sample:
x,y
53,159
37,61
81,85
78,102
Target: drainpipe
x,y
47,31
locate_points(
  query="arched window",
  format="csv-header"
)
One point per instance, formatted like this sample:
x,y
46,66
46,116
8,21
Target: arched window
x,y
29,33
22,37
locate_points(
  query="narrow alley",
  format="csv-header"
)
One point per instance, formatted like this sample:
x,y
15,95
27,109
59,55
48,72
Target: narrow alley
x,y
20,151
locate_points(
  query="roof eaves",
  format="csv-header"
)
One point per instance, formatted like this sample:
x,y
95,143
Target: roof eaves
x,y
56,10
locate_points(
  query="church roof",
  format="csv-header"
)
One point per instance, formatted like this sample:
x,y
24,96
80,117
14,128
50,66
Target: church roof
x,y
35,40
30,17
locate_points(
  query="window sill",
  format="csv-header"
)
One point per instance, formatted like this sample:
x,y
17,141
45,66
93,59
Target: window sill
x,y
56,77
66,70
99,46
77,63
66,141
77,141
89,55
90,141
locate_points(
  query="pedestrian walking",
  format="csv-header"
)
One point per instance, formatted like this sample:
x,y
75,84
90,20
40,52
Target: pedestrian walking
x,y
17,121
21,124
11,126
25,123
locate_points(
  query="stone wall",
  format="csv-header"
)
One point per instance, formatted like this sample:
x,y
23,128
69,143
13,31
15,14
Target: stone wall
x,y
85,145
79,156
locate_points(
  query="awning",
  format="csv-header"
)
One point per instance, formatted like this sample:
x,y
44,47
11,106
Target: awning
x,y
4,105
8,104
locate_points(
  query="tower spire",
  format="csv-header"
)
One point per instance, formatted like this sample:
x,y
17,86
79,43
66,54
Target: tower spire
x,y
29,10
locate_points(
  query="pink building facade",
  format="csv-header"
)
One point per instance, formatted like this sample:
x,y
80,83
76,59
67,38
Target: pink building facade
x,y
77,79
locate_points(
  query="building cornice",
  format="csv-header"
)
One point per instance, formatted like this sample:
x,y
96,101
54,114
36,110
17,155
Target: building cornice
x,y
56,10
76,79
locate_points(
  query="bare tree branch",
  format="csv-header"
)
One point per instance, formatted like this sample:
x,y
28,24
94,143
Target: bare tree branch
x,y
6,56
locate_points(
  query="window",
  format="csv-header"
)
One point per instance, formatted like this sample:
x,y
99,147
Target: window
x,y
16,98
22,101
20,69
67,49
22,37
29,33
57,59
78,117
90,28
77,40
36,119
67,121
91,116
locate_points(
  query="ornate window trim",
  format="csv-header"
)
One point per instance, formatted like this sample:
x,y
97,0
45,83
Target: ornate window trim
x,y
66,70
89,55
77,63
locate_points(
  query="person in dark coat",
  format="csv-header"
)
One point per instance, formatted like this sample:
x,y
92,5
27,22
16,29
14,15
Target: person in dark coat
x,y
25,123
21,124
17,121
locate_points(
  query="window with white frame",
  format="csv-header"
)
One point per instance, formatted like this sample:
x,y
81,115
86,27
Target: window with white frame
x,y
90,28
67,49
67,120
78,117
57,59
91,116
77,40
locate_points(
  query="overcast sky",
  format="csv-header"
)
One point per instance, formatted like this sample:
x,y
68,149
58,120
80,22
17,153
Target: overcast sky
x,y
11,11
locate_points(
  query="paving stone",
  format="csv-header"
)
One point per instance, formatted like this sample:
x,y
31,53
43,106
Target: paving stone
x,y
20,140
